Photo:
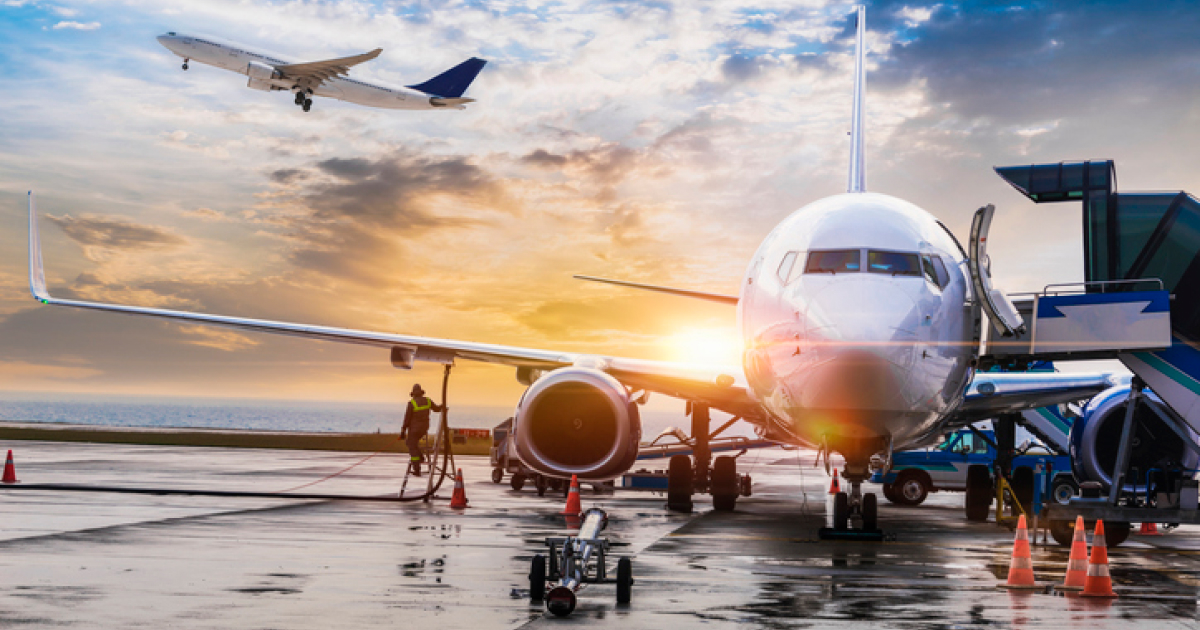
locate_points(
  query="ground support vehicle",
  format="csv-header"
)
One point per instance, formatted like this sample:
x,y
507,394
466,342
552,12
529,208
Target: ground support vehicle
x,y
575,561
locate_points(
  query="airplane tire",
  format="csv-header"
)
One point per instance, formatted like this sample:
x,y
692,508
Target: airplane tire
x,y
537,578
517,482
979,493
497,475
185,66
679,484
841,511
307,104
724,484
870,512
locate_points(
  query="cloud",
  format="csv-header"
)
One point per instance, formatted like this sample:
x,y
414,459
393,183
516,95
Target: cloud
x,y
78,26
91,230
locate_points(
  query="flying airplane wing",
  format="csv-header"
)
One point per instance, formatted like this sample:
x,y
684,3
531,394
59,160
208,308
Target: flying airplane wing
x,y
722,388
314,73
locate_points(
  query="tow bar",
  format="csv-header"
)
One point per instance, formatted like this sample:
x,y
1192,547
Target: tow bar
x,y
575,561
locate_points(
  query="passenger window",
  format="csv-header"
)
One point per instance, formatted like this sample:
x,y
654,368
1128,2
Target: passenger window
x,y
833,261
895,263
785,267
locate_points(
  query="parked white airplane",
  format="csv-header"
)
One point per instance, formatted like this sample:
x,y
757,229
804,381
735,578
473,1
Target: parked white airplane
x,y
858,313
273,72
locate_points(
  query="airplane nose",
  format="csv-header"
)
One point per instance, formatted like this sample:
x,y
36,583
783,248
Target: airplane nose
x,y
862,345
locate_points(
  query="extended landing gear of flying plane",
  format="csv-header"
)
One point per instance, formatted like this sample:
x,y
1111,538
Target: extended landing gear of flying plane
x,y
185,62
302,99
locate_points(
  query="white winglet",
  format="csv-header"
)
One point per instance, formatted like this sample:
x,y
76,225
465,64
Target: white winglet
x,y
37,275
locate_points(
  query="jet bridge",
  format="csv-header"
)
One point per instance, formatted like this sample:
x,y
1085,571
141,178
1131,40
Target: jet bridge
x,y
1140,301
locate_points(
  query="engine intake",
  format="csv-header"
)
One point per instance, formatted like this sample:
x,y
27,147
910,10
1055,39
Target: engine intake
x,y
1096,437
577,421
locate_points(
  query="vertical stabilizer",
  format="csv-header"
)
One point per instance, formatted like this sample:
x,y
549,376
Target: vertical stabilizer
x,y
858,171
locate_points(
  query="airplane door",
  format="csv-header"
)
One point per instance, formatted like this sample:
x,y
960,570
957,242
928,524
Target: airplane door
x,y
999,309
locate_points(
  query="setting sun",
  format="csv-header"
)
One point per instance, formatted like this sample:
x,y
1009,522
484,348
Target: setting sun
x,y
710,346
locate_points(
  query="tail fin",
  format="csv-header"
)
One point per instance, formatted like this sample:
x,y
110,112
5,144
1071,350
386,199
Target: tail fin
x,y
858,169
453,82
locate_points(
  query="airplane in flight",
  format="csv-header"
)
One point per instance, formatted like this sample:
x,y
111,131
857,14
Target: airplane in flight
x,y
330,78
859,314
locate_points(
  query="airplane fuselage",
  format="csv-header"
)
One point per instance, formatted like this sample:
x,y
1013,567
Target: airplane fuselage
x,y
238,58
856,325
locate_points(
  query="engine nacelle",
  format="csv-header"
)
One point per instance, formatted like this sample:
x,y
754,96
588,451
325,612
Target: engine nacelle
x,y
577,421
1096,436
258,71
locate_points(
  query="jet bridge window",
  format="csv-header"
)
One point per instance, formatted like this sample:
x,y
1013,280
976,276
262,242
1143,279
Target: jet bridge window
x,y
833,261
894,263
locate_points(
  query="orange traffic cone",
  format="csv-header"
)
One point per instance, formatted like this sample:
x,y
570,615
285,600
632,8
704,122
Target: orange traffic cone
x,y
10,471
1099,582
834,486
1078,563
459,499
1020,568
1149,529
572,506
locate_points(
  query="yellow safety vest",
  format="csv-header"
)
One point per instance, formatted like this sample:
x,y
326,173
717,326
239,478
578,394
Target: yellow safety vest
x,y
428,404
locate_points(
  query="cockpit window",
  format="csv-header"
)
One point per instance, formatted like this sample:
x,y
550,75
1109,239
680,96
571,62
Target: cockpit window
x,y
929,271
172,33
785,267
894,263
939,270
833,261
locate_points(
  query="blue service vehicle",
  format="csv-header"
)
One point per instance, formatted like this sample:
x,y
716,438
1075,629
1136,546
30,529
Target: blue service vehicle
x,y
915,474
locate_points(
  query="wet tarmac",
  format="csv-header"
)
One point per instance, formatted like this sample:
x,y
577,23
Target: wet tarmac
x,y
101,560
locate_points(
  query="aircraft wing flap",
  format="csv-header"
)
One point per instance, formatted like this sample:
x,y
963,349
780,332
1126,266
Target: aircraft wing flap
x,y
321,71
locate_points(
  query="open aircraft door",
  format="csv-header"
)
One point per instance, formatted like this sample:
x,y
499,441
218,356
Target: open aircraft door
x,y
995,303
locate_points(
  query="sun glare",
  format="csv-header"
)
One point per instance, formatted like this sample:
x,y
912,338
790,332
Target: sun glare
x,y
709,346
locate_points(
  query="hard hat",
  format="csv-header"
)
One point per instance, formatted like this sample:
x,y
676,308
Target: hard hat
x,y
417,391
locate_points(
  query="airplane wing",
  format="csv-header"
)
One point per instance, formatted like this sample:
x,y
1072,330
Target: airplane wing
x,y
722,388
315,73
994,393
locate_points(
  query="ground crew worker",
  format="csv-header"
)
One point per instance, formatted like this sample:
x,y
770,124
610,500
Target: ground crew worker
x,y
416,426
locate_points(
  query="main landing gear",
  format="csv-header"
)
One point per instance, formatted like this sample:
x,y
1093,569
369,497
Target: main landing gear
x,y
303,100
855,515
686,477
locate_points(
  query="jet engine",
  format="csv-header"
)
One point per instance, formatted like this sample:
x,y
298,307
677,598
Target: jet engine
x,y
258,71
577,421
1096,436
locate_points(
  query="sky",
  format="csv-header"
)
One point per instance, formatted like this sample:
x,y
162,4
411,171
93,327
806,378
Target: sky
x,y
656,142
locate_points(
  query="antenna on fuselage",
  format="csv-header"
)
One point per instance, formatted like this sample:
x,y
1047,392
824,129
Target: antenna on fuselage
x,y
858,170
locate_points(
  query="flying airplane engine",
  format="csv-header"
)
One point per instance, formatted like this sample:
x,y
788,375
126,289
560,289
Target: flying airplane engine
x,y
577,421
1096,435
261,76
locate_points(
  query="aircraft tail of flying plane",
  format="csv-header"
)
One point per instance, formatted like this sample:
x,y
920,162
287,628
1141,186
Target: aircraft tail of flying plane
x,y
452,83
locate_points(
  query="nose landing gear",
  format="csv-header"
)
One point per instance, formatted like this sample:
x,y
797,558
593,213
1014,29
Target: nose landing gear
x,y
855,515
185,62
